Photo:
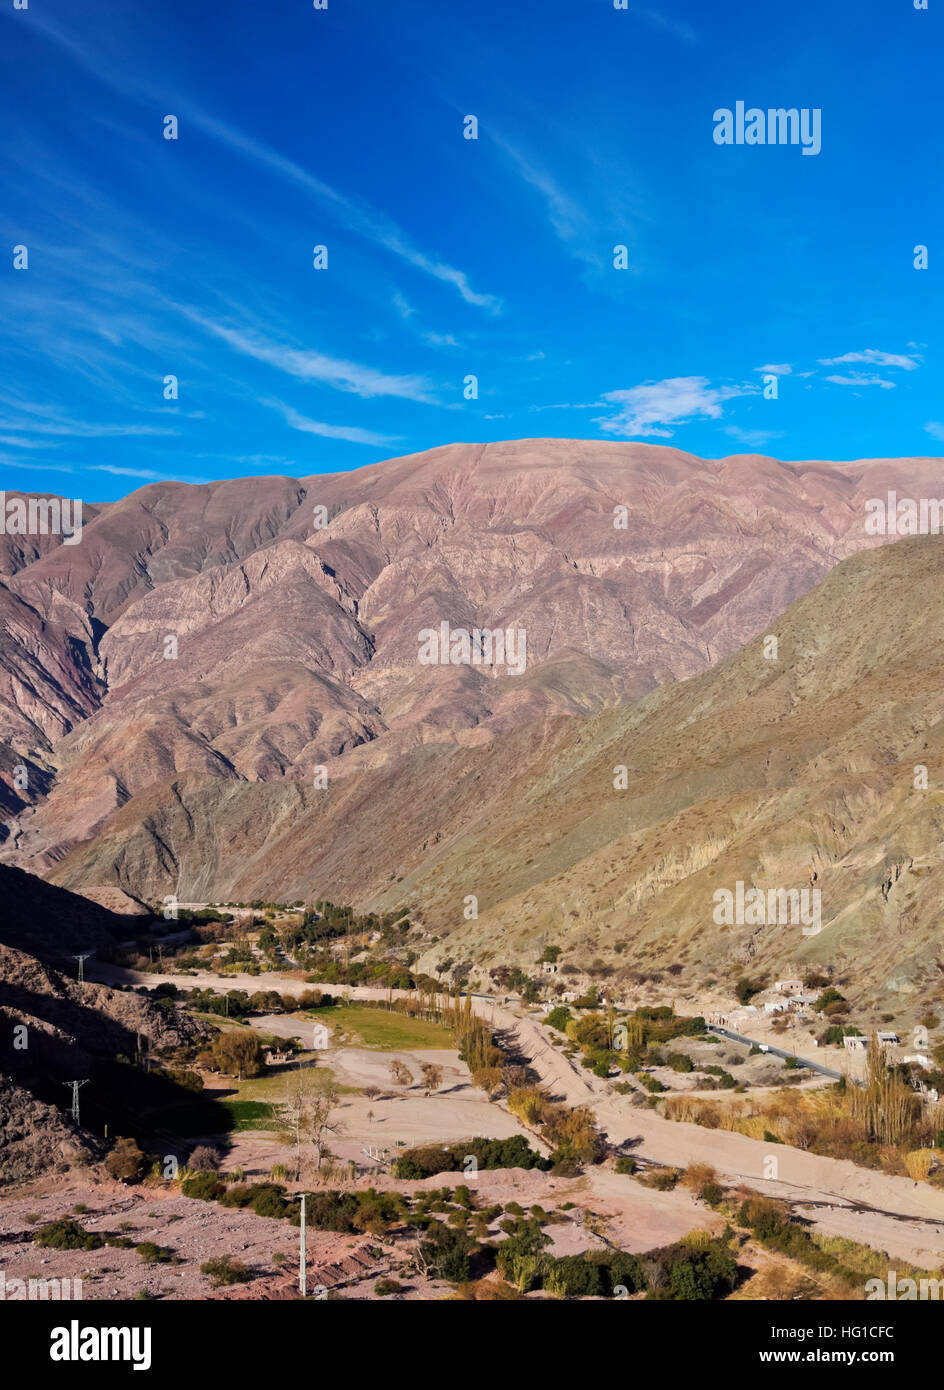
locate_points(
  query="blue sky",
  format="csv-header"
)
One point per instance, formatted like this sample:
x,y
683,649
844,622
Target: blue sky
x,y
450,257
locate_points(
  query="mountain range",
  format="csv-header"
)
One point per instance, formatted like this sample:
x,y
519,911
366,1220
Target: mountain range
x,y
217,694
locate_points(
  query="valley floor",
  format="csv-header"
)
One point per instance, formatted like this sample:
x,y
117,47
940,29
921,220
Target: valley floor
x,y
895,1215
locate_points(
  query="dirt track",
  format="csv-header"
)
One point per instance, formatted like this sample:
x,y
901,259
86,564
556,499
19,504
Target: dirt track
x,y
891,1214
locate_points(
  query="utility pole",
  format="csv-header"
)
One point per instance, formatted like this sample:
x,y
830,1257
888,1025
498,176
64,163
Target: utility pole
x,y
75,1096
81,959
302,1272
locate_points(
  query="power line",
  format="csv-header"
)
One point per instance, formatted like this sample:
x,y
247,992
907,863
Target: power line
x,y
75,1096
81,959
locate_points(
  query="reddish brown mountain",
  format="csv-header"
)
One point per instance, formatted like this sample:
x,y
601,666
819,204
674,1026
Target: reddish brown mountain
x,y
628,566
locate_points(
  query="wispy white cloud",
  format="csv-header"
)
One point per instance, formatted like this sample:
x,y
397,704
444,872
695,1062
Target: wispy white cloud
x,y
440,340
148,474
649,408
351,433
663,21
875,358
45,419
30,443
862,379
402,305
356,216
751,437
775,369
935,428
307,365
570,222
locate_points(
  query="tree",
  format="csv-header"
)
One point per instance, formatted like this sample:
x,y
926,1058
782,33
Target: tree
x,y
432,1076
239,1053
400,1074
444,1253
308,1115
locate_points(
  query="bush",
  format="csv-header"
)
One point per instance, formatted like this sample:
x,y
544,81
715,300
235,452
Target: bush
x,y
223,1270
268,1199
559,1018
415,1164
153,1254
626,1165
203,1186
239,1195
445,1252
126,1162
204,1159
384,1287
66,1234
680,1061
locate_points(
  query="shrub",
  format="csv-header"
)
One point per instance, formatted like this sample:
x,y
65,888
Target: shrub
x,y
445,1252
559,1018
66,1234
918,1164
126,1162
626,1165
384,1287
153,1254
239,1195
223,1270
268,1199
573,1276
204,1159
203,1186
415,1164
680,1061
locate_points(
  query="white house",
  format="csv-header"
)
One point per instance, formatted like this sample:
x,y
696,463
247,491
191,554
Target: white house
x,y
855,1042
788,986
889,1039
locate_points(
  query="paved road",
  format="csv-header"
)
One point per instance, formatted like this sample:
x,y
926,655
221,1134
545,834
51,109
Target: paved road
x,y
890,1213
776,1051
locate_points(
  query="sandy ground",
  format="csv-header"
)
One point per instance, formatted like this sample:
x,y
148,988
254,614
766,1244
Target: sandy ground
x,y
891,1214
633,1217
403,1117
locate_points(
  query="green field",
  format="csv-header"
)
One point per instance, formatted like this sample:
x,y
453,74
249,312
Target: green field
x,y
251,1114
354,1026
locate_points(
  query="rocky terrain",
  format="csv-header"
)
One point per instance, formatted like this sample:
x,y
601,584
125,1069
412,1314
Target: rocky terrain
x,y
57,1030
639,574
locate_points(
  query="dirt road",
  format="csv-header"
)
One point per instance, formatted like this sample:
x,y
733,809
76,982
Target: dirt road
x,y
891,1214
